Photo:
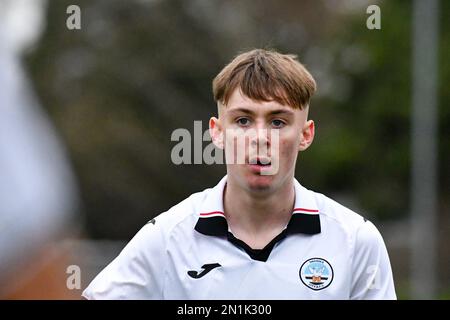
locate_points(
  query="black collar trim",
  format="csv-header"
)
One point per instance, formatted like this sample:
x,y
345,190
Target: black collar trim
x,y
215,224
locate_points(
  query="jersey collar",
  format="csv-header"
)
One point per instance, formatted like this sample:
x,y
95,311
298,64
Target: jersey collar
x,y
212,222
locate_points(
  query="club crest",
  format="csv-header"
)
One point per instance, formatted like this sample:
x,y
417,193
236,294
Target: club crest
x,y
316,273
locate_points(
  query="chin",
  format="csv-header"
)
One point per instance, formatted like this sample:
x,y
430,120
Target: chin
x,y
253,181
259,183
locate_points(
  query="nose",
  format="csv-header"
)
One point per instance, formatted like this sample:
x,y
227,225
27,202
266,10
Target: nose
x,y
260,137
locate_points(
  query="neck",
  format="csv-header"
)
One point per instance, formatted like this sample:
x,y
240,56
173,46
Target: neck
x,y
254,215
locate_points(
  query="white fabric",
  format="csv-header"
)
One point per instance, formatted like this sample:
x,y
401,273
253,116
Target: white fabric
x,y
155,263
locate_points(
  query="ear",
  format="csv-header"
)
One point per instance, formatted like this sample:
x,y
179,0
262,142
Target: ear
x,y
216,132
307,135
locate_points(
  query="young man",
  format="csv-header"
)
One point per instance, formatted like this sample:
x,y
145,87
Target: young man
x,y
258,234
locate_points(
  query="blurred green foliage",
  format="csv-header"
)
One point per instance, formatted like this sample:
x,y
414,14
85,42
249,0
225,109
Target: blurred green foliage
x,y
137,70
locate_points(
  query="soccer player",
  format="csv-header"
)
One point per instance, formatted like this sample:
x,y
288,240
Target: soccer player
x,y
258,234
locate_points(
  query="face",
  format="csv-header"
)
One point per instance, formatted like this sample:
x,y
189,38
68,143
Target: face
x,y
261,141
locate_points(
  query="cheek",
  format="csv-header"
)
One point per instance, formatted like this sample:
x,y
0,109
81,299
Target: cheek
x,y
288,150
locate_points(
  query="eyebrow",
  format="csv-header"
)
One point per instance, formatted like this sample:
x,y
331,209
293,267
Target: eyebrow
x,y
273,112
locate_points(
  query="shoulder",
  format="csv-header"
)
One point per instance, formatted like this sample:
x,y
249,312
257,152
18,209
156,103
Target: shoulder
x,y
336,216
137,268
332,210
182,215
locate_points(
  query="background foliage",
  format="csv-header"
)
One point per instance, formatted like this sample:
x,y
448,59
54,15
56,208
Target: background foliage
x,y
137,70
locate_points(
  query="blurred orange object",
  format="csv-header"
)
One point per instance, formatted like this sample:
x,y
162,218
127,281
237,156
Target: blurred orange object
x,y
43,277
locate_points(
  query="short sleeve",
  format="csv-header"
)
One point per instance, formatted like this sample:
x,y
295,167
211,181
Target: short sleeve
x,y
138,271
371,268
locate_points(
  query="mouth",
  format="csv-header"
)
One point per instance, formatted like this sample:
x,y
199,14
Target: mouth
x,y
260,162
262,166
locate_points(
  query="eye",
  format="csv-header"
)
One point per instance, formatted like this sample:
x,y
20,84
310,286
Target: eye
x,y
277,123
243,122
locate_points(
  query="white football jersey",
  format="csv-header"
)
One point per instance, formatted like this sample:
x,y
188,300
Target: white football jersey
x,y
188,252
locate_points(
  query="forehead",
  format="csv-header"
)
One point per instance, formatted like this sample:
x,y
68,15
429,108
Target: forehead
x,y
240,102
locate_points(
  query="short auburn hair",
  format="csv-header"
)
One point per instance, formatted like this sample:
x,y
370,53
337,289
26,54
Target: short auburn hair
x,y
266,75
